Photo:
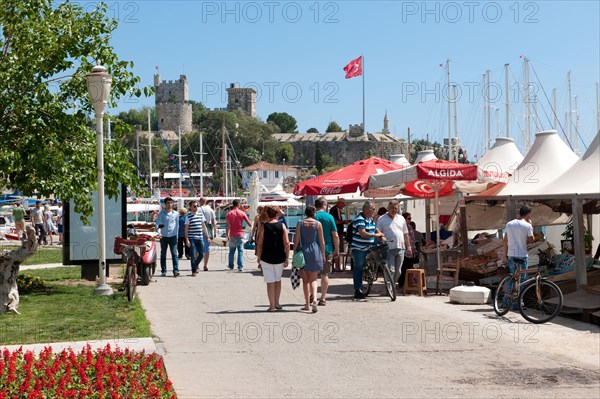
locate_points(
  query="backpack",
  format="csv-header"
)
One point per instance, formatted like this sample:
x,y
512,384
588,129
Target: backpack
x,y
350,232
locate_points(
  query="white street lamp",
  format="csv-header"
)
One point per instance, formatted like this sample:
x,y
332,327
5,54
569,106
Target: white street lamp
x,y
98,84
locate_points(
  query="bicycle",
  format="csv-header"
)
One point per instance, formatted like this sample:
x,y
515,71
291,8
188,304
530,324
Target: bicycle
x,y
539,300
374,265
139,257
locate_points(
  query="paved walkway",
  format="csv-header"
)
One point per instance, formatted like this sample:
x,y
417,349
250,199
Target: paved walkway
x,y
219,341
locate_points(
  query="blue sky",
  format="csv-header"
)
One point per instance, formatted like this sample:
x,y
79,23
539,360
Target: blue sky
x,y
294,52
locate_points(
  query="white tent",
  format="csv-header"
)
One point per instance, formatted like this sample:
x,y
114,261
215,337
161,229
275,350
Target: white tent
x,y
583,177
547,159
503,158
425,155
400,159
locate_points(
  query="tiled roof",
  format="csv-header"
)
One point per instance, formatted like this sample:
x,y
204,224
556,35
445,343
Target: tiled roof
x,y
262,165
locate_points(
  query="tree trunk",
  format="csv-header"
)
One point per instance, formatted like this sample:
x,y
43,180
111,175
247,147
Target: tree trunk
x,y
9,269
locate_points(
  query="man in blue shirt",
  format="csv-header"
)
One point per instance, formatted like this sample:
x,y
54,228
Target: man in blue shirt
x,y
332,242
364,235
167,225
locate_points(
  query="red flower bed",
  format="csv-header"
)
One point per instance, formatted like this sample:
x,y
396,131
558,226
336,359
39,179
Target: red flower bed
x,y
101,374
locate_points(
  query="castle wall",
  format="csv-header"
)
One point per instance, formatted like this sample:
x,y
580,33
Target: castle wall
x,y
172,115
346,152
243,99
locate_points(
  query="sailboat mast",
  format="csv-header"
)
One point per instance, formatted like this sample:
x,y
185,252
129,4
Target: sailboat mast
x,y
225,186
488,128
527,138
555,115
485,115
150,152
449,112
137,149
455,122
597,109
201,167
576,127
180,171
570,119
507,106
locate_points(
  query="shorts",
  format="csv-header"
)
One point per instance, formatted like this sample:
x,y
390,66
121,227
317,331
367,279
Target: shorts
x,y
60,228
327,264
20,225
271,272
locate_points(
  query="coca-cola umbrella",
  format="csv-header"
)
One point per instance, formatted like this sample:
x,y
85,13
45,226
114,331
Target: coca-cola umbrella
x,y
348,179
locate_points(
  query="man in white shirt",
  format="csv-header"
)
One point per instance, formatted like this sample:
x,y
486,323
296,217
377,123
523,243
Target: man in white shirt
x,y
210,220
518,233
395,229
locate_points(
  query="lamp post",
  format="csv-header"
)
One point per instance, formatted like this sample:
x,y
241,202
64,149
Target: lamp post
x,y
98,85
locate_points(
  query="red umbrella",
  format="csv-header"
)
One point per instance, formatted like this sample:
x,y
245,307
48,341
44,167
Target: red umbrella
x,y
347,179
436,179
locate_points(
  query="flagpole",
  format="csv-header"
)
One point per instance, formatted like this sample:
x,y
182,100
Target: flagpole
x,y
363,76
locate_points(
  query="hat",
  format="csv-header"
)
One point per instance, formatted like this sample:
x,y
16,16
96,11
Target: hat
x,y
168,199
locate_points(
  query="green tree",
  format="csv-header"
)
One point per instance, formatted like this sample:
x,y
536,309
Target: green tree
x,y
138,118
422,144
322,161
286,122
46,139
312,130
285,153
333,127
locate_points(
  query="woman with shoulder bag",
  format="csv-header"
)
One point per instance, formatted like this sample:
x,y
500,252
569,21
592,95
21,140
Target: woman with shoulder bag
x,y
309,239
273,251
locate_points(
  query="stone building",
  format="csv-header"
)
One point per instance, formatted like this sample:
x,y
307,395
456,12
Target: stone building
x,y
343,147
173,108
243,99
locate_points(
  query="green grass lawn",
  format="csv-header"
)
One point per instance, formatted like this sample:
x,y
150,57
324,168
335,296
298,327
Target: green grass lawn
x,y
70,311
43,255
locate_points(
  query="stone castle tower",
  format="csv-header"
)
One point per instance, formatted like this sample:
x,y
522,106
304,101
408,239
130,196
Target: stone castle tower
x,y
173,108
243,99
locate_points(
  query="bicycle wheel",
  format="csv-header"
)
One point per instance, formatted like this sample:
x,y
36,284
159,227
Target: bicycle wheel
x,y
369,277
389,283
131,282
503,298
540,302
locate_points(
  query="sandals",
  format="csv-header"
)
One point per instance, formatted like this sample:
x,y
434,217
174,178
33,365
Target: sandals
x,y
322,302
314,307
278,307
305,308
205,268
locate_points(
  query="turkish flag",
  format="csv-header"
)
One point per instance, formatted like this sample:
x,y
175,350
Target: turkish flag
x,y
354,68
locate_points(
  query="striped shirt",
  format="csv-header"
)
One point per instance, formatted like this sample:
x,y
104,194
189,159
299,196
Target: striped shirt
x,y
359,242
194,223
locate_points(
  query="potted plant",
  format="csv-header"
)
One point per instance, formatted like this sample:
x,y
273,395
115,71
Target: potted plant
x,y
588,239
